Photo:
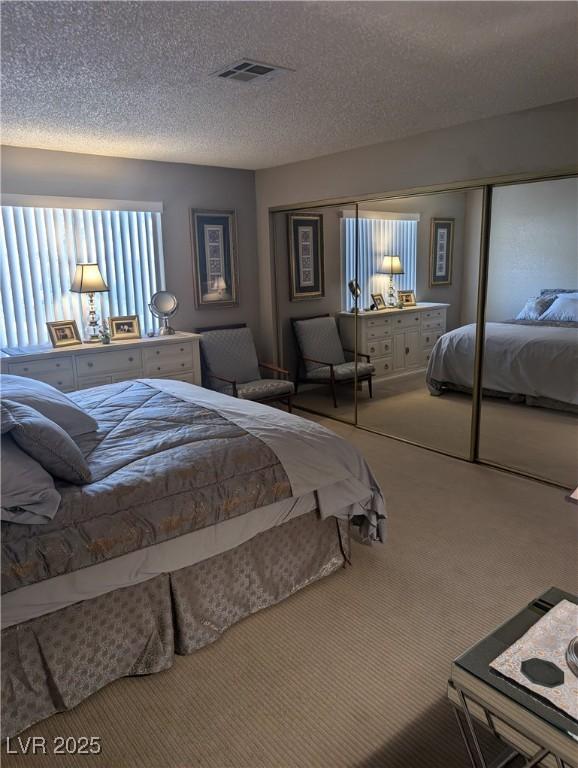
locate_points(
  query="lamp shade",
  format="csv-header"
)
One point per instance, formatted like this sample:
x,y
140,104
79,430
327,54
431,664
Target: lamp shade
x,y
87,279
391,265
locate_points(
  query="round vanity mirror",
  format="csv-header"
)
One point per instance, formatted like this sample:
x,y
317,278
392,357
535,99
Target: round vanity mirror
x,y
163,305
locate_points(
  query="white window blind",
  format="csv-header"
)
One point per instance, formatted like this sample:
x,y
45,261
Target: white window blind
x,y
39,249
378,237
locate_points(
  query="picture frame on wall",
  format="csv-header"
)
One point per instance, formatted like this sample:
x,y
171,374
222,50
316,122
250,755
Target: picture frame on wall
x,y
441,251
215,263
63,333
306,257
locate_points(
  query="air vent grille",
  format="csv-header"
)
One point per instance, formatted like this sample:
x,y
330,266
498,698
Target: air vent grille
x,y
246,70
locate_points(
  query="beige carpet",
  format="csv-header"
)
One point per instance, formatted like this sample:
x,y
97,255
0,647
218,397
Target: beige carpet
x,y
352,670
540,441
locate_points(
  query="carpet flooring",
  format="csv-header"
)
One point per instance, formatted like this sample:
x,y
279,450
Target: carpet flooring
x,y
540,441
350,672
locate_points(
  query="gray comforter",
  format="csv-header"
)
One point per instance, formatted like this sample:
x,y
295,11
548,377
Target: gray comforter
x,y
169,459
532,359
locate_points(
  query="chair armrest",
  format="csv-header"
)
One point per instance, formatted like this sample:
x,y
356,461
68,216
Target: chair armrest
x,y
359,354
232,382
275,368
313,360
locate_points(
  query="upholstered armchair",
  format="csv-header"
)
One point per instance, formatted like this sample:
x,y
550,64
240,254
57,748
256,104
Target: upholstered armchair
x,y
321,356
230,365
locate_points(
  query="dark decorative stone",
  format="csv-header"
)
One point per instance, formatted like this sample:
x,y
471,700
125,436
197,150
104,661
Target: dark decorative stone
x,y
541,672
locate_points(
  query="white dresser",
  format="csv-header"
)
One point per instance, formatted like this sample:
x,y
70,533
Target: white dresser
x,y
91,365
399,341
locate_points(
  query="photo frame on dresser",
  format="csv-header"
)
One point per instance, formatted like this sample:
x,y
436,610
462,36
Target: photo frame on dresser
x,y
215,263
441,251
306,258
64,333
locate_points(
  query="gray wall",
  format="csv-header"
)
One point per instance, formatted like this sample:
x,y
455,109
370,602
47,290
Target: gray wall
x,y
179,187
533,245
539,141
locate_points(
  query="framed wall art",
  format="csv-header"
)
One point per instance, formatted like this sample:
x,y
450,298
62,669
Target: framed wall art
x,y
441,251
306,256
215,270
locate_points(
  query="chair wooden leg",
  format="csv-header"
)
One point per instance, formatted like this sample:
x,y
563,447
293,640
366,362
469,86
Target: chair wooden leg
x,y
370,386
289,404
334,393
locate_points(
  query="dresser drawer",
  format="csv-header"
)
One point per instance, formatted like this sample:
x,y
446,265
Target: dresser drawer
x,y
383,366
380,348
109,361
168,358
429,325
409,320
54,365
429,338
189,378
378,322
432,314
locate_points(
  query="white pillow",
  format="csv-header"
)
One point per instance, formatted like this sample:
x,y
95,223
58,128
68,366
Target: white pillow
x,y
564,308
535,307
27,492
48,401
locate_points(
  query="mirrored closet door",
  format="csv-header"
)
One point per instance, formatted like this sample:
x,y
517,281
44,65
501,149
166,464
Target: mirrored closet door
x,y
529,415
309,290
418,269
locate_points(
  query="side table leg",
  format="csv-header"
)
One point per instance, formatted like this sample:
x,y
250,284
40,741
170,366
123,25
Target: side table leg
x,y
465,737
472,730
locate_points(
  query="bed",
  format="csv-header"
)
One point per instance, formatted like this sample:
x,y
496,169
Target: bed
x,y
532,361
202,509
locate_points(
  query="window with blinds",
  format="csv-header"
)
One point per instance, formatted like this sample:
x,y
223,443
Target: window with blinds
x,y
39,249
387,235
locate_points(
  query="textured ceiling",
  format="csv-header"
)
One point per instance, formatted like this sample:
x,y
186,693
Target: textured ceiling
x,y
131,79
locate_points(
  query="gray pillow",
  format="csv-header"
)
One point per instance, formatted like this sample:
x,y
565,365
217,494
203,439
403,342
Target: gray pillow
x,y
48,401
535,307
27,491
48,443
564,309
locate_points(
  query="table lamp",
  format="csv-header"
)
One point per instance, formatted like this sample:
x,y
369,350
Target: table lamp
x,y
390,266
88,279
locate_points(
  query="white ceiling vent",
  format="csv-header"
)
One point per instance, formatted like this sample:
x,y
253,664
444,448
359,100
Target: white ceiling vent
x,y
247,70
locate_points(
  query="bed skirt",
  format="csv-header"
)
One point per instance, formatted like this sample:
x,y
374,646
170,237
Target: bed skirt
x,y
52,663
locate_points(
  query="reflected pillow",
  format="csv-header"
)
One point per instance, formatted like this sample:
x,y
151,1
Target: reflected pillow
x,y
565,308
49,401
27,492
535,307
49,444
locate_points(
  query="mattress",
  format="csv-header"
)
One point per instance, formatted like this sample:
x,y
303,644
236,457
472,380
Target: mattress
x,y
180,474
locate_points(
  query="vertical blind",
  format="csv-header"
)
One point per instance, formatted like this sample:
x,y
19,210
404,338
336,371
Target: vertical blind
x,y
377,238
39,249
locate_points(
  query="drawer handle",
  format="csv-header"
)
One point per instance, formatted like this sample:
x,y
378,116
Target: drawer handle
x,y
427,339
407,350
59,383
158,368
182,349
26,369
90,365
131,359
182,365
399,321
58,365
158,352
372,350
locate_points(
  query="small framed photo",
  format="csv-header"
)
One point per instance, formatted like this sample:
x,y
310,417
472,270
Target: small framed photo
x,y
64,333
124,327
306,265
406,298
378,300
441,251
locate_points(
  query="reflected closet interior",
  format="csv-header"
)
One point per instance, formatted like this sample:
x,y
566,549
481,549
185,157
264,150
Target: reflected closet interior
x,y
398,282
